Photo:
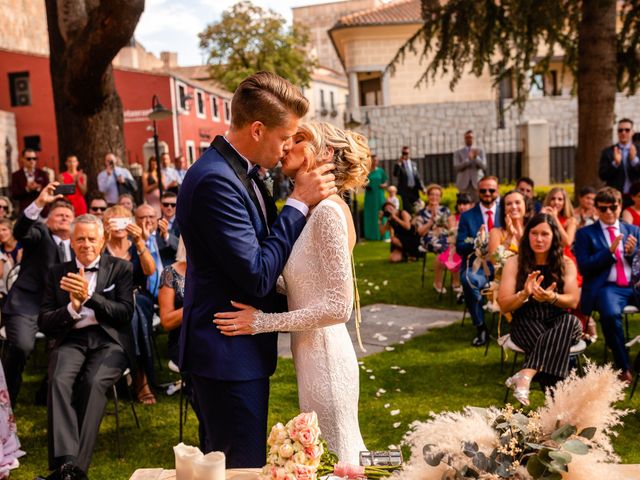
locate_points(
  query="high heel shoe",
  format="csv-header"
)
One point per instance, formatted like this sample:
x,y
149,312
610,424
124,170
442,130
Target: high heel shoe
x,y
520,393
442,290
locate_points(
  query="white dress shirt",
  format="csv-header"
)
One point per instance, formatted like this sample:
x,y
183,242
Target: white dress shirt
x,y
613,276
86,316
485,217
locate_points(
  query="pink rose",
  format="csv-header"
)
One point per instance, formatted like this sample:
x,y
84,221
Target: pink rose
x,y
307,436
314,452
346,470
304,472
285,450
305,420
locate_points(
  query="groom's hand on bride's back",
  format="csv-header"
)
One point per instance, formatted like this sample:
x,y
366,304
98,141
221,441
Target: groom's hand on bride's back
x,y
313,186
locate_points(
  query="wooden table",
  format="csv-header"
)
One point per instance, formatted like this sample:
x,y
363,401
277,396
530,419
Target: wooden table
x,y
161,474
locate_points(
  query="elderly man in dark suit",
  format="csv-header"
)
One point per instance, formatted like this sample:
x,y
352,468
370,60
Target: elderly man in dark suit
x,y
87,307
619,163
28,182
409,181
44,244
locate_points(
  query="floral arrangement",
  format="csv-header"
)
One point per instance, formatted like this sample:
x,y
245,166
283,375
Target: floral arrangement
x,y
296,452
568,438
500,257
480,249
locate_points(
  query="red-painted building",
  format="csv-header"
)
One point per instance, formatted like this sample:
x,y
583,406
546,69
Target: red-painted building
x,y
200,111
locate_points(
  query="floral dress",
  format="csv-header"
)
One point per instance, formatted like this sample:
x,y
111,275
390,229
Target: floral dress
x,y
8,433
435,240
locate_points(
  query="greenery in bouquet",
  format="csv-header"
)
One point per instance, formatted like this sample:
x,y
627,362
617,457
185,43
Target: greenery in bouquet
x,y
568,438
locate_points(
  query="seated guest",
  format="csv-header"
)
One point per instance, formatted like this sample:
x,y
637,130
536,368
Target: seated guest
x,y
631,214
97,204
161,242
586,214
170,299
9,442
28,182
127,242
6,209
557,204
10,253
484,216
44,244
432,222
87,307
513,217
75,176
127,201
404,238
167,223
393,196
605,252
526,186
537,287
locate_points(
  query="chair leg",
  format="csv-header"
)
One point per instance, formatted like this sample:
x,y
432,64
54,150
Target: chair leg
x,y
181,407
626,328
635,384
444,282
424,267
580,367
493,323
117,415
464,315
156,353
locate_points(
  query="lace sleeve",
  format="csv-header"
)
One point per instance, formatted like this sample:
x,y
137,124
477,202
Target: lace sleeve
x,y
332,286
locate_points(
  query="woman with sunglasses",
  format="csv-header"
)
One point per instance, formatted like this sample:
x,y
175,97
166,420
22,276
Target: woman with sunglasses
x,y
6,208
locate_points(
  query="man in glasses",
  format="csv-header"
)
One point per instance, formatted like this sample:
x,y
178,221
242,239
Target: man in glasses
x,y
409,181
97,205
28,182
168,231
619,163
605,252
484,216
469,163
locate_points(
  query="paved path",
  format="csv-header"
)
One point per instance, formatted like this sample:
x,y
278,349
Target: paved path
x,y
386,325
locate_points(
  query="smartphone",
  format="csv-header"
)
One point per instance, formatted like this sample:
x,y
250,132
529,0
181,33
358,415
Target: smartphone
x,y
119,223
66,189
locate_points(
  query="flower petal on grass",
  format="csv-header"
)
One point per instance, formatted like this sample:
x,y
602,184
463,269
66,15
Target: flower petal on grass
x,y
397,424
395,412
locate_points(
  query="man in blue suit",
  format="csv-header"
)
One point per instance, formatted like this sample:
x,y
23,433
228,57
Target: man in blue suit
x,y
605,251
483,215
237,246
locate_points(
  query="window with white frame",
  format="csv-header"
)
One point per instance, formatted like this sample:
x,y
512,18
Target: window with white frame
x,y
215,110
191,151
182,96
200,104
202,149
227,112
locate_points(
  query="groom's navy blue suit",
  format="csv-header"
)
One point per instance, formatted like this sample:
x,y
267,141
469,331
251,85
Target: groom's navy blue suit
x,y
232,254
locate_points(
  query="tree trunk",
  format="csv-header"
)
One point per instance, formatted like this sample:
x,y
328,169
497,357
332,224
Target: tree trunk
x,y
84,37
596,87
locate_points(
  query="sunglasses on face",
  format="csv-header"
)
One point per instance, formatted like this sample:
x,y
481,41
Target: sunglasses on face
x,y
98,209
487,190
31,159
164,204
604,208
624,130
4,207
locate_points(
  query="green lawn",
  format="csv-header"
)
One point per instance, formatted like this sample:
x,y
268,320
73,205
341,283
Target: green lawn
x,y
443,372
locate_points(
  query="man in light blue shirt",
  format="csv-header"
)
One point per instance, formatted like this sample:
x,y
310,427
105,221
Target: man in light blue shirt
x,y
111,177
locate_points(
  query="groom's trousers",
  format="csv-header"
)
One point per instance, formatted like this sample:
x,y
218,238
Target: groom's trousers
x,y
235,418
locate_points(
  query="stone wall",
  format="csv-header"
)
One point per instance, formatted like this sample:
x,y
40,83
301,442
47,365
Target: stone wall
x,y
8,147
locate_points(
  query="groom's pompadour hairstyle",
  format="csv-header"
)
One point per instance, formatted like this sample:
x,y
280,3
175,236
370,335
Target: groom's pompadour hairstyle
x,y
268,98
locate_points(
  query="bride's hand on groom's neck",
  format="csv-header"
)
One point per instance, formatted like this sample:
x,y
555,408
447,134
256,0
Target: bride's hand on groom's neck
x,y
313,186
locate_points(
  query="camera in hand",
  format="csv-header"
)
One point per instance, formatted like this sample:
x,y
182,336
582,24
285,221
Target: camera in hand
x,y
67,189
386,214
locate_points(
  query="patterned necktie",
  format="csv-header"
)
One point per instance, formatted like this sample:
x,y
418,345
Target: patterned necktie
x,y
154,279
270,205
621,276
62,252
489,220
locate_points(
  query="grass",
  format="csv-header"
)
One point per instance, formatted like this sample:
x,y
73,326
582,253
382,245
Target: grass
x,y
443,372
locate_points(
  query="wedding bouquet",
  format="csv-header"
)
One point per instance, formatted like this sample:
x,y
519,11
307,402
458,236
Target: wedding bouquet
x,y
568,438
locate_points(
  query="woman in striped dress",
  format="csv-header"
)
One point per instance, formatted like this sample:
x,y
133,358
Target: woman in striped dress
x,y
538,286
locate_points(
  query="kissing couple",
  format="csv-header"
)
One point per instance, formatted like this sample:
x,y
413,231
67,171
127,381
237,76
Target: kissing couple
x,y
242,256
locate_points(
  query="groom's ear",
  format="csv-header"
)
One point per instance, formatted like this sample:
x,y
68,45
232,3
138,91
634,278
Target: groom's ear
x,y
257,130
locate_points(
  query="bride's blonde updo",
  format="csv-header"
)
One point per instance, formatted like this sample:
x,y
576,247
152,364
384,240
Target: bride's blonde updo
x,y
351,153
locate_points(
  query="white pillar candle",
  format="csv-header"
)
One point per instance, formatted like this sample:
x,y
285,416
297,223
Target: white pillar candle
x,y
185,456
210,467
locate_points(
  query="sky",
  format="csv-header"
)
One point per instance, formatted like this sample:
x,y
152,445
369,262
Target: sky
x,y
173,25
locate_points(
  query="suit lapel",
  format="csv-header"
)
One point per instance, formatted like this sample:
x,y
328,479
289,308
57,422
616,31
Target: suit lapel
x,y
239,167
104,273
600,235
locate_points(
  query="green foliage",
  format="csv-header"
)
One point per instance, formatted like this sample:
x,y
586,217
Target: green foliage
x,y
507,37
248,39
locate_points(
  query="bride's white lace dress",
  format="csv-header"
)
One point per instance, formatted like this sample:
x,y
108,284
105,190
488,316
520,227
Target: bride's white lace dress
x,y
319,285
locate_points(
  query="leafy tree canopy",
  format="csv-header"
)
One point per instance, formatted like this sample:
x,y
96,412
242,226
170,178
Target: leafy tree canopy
x,y
248,39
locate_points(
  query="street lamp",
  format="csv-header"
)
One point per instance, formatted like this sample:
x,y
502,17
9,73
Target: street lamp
x,y
158,112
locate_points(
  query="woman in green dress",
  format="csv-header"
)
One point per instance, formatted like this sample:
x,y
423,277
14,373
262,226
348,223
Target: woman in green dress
x,y
374,199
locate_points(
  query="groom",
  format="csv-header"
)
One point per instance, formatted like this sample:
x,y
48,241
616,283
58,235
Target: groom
x,y
237,246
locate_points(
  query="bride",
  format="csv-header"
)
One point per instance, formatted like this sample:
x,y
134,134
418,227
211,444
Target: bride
x,y
318,282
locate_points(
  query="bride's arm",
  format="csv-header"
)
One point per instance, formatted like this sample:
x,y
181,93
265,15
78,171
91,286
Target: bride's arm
x,y
330,292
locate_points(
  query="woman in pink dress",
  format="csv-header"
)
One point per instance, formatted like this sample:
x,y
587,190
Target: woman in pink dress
x,y
74,176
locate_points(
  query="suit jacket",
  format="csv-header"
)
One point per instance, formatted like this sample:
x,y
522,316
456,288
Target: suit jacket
x,y
470,223
39,253
19,186
595,260
231,256
614,176
168,248
468,172
400,172
112,302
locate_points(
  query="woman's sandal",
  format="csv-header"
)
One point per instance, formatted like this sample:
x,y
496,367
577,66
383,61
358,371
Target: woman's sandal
x,y
145,395
520,393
